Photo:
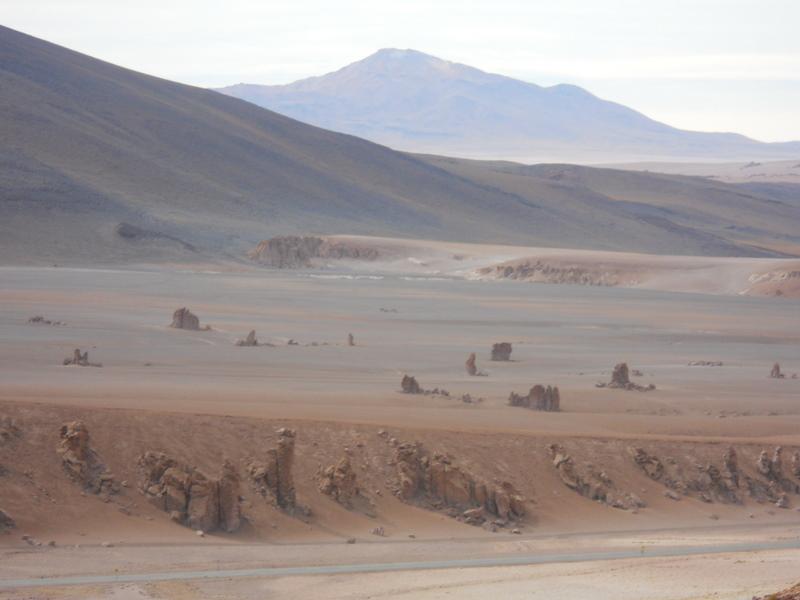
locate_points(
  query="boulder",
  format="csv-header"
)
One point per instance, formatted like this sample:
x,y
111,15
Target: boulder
x,y
81,462
409,385
250,340
501,351
183,318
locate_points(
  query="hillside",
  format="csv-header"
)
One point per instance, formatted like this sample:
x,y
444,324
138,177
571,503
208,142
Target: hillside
x,y
416,102
104,165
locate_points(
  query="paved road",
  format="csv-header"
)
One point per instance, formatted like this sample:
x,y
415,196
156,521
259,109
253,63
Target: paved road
x,y
498,561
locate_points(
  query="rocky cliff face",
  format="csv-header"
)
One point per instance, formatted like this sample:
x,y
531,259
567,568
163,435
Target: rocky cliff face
x,y
273,478
81,462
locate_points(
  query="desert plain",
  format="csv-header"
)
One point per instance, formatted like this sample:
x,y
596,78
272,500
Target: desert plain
x,y
200,399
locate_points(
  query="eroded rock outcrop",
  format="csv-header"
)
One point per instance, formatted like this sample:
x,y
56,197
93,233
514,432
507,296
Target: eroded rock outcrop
x,y
539,397
410,385
6,522
351,341
80,359
273,478
620,379
472,367
40,320
183,318
189,496
293,251
501,351
591,483
435,482
8,429
250,340
775,373
340,483
796,464
81,462
792,593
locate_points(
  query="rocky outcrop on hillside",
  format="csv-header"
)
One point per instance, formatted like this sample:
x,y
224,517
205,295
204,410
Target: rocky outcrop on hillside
x,y
273,478
435,482
539,271
792,593
81,462
80,359
501,351
6,522
620,379
293,252
591,483
539,397
250,340
189,496
339,482
183,318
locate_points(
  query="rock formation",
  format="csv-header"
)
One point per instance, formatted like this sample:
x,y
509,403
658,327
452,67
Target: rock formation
x,y
183,318
409,385
80,359
501,351
8,429
620,379
651,465
189,496
590,483
351,341
792,593
539,398
705,363
6,522
250,340
40,320
796,464
435,482
339,482
273,478
81,462
775,373
730,463
292,251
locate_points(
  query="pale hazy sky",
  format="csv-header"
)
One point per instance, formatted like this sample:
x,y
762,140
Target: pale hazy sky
x,y
715,65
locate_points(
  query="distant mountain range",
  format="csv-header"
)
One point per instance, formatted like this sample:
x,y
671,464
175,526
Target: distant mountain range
x,y
416,102
104,165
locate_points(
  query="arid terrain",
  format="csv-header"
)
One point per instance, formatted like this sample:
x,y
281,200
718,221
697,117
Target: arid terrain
x,y
615,470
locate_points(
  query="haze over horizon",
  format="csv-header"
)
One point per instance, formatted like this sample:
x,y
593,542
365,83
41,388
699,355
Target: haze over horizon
x,y
707,66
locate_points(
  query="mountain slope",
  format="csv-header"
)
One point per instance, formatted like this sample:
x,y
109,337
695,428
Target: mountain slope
x,y
100,164
416,102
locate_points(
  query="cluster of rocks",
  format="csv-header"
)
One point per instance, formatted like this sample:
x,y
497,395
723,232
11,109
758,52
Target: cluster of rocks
x,y
340,483
293,251
776,373
472,368
273,478
81,462
727,484
620,379
705,363
183,318
80,359
434,482
501,351
189,496
249,341
40,320
539,397
410,385
591,483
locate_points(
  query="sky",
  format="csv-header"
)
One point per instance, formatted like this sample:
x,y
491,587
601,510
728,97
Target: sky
x,y
709,65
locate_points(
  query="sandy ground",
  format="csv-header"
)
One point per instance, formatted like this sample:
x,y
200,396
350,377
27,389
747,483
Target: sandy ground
x,y
198,397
